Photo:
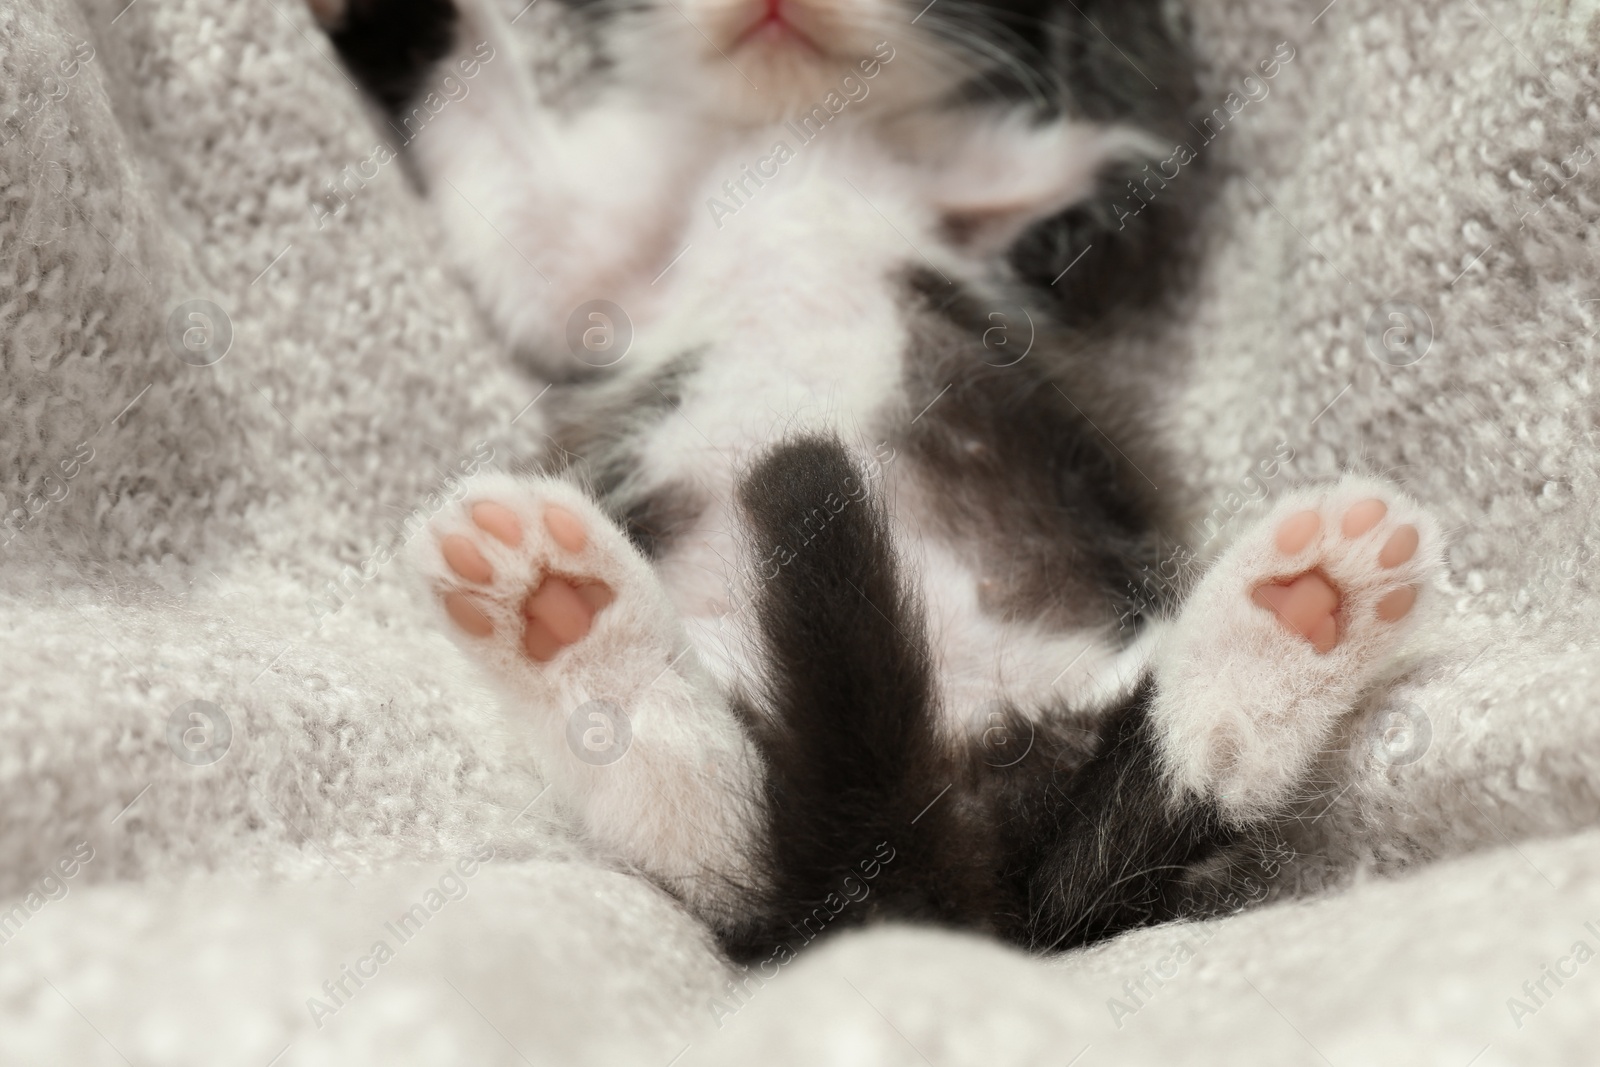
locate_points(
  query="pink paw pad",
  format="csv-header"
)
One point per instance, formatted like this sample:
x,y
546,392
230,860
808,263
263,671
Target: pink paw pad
x,y
558,610
1309,603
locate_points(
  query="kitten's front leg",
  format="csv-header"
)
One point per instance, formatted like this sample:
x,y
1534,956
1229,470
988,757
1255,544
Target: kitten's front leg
x,y
537,186
543,591
1280,638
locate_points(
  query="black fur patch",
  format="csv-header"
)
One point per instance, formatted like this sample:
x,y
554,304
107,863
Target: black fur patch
x,y
1116,254
391,46
1024,478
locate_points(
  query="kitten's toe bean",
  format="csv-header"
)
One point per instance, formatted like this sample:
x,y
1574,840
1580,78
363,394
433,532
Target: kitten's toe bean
x,y
1308,606
1363,516
1396,605
1324,635
561,609
540,644
1296,532
566,528
465,614
1401,546
465,559
596,594
563,612
498,520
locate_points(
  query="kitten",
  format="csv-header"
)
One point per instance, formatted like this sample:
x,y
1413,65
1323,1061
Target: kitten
x,y
814,617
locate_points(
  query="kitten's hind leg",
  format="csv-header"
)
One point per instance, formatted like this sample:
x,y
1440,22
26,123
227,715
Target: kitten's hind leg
x,y
542,590
1282,635
1271,649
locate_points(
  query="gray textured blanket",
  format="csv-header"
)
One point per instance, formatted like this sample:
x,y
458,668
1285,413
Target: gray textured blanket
x,y
254,811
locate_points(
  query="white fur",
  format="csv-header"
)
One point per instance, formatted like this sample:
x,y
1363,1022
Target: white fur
x,y
1243,704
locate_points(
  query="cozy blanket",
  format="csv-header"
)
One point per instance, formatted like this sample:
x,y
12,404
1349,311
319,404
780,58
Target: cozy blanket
x,y
255,810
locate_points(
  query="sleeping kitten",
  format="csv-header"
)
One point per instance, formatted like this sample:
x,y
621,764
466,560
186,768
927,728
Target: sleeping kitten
x,y
814,617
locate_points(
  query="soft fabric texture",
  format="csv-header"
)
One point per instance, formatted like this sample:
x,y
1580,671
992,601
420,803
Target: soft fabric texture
x,y
183,520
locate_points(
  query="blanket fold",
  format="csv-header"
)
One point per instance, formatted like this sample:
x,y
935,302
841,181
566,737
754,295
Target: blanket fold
x,y
226,408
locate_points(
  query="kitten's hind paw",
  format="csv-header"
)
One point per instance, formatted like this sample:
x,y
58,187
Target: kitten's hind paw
x,y
540,586
1282,635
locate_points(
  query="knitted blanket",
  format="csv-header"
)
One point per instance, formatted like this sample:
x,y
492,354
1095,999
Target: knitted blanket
x,y
254,809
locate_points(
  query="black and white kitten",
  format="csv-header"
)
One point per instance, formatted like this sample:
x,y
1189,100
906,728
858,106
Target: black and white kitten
x,y
814,618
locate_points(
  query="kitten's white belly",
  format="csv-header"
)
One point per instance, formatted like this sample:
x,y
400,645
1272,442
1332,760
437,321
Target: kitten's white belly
x,y
797,336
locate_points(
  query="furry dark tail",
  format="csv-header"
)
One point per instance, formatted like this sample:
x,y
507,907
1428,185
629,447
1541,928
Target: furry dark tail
x,y
860,823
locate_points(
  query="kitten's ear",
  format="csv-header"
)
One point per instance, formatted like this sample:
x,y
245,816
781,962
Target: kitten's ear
x,y
1002,177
